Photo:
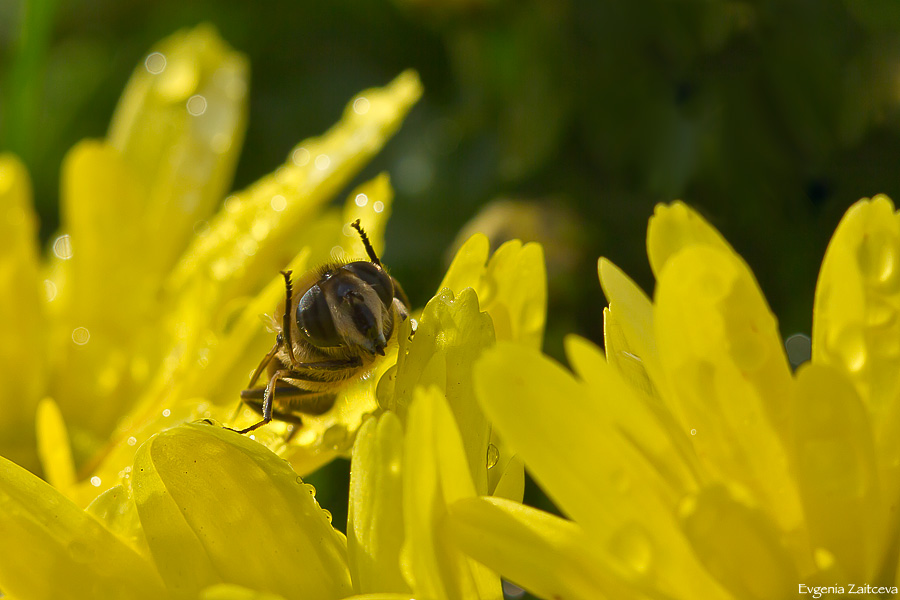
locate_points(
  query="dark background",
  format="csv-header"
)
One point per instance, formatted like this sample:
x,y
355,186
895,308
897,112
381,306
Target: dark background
x,y
769,117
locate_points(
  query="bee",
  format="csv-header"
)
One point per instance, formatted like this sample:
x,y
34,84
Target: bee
x,y
337,321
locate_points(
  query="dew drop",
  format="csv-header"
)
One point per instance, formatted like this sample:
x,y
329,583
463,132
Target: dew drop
x,y
279,203
632,545
50,290
299,480
327,515
81,335
493,455
155,63
323,162
81,552
361,200
378,206
196,105
166,412
62,247
798,348
309,488
361,105
95,481
131,441
693,432
300,157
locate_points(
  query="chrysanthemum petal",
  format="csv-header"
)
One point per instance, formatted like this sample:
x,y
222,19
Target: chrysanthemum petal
x,y
437,475
511,484
100,295
628,331
837,471
22,327
230,591
856,318
739,544
727,373
49,548
675,227
623,503
53,446
315,170
179,125
375,520
549,556
511,286
218,507
452,333
115,508
644,420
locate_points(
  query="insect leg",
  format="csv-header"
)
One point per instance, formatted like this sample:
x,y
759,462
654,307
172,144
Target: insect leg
x,y
268,400
286,318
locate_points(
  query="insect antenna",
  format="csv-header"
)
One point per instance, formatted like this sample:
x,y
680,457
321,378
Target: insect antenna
x,y
365,240
286,319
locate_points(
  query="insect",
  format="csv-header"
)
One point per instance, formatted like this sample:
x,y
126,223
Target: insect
x,y
337,321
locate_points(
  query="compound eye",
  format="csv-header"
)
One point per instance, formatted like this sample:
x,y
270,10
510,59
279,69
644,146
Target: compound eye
x,y
375,277
315,321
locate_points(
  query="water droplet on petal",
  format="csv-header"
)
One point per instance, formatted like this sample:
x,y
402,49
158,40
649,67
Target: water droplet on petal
x,y
81,335
327,515
378,206
361,200
323,162
493,455
95,481
166,412
50,290
300,157
155,63
62,247
196,105
633,546
361,105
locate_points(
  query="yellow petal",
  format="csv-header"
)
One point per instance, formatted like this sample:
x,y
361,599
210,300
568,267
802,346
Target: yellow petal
x,y
837,472
452,333
856,317
587,466
739,545
179,125
644,419
248,236
511,484
116,510
49,548
728,374
229,591
218,507
102,296
628,332
53,446
375,519
675,227
511,286
436,474
549,556
22,333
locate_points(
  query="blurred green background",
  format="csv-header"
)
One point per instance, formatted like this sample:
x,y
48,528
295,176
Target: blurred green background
x,y
770,117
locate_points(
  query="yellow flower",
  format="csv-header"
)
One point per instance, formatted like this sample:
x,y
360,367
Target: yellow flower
x,y
197,511
691,461
207,513
147,312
